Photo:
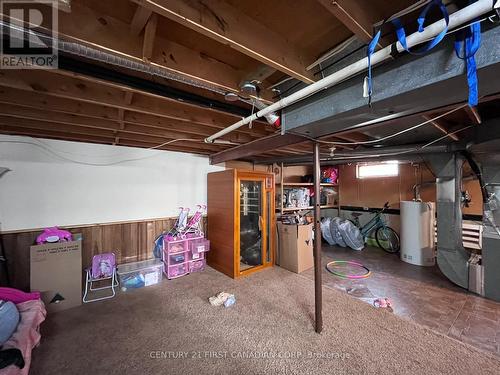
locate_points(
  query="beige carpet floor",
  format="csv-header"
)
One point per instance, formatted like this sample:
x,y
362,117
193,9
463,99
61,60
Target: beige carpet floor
x,y
268,331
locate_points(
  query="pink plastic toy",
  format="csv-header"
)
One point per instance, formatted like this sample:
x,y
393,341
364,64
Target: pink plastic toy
x,y
53,234
185,228
382,303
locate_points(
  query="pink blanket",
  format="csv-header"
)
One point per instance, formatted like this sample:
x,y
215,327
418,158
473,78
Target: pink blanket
x,y
27,335
17,296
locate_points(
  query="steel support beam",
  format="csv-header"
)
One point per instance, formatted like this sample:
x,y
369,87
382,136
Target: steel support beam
x,y
405,86
318,297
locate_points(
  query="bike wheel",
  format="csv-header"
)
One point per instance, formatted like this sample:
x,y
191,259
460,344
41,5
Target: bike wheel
x,y
387,239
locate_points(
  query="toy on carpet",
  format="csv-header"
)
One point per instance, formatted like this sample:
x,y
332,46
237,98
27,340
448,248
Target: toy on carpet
x,y
330,267
383,303
222,298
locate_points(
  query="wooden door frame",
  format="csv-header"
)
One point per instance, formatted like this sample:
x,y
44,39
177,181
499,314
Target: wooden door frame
x,y
261,177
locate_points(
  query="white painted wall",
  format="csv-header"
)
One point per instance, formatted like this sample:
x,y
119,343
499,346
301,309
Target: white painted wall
x,y
44,190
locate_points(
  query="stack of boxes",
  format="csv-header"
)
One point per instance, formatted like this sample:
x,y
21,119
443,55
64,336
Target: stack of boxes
x,y
183,256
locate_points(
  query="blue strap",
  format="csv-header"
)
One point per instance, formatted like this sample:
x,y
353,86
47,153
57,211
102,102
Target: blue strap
x,y
371,49
470,40
401,34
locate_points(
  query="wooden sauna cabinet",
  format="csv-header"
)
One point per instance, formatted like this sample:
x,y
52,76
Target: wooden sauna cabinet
x,y
241,221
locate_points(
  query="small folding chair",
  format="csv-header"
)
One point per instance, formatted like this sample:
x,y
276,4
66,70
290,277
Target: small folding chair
x,y
103,268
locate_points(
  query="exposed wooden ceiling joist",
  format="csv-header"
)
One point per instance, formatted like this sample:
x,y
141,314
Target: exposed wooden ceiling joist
x,y
75,130
86,26
473,114
226,24
20,113
259,146
55,134
149,38
139,21
52,106
357,16
441,126
112,96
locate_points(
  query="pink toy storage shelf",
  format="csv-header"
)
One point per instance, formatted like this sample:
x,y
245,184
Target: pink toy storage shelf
x,y
197,265
177,270
184,256
196,256
176,258
176,246
199,245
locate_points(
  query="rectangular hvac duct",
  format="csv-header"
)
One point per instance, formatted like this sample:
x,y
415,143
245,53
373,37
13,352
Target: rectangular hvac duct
x,y
407,85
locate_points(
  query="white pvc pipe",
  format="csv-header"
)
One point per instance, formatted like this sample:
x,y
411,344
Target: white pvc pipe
x,y
458,18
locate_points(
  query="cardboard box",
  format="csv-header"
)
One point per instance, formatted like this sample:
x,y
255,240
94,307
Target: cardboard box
x,y
330,199
56,272
295,247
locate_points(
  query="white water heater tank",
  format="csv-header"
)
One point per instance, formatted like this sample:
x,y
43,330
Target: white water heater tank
x,y
417,233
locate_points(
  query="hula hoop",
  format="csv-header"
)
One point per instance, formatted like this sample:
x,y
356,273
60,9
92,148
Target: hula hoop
x,y
344,276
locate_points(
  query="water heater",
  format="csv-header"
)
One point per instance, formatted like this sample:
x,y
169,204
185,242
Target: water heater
x,y
417,233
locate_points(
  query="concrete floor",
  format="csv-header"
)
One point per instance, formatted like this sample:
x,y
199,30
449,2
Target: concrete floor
x,y
421,294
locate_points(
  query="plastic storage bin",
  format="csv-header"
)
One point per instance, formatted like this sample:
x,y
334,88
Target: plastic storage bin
x,y
139,274
177,270
199,245
178,246
197,265
196,256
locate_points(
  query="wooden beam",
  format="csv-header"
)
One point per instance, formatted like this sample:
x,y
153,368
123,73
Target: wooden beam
x,y
357,16
51,106
258,146
353,137
129,96
53,84
76,131
106,33
53,134
260,74
149,38
473,114
18,113
141,17
228,25
439,124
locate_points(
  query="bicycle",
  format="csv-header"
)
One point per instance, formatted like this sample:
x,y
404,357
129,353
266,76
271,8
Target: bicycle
x,y
386,237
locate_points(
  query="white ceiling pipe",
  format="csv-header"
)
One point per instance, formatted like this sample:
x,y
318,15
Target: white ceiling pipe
x,y
458,18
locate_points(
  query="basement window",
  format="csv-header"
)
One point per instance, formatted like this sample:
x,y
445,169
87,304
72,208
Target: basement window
x,y
373,170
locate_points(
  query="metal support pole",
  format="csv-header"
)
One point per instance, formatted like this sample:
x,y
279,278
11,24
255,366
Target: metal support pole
x,y
318,303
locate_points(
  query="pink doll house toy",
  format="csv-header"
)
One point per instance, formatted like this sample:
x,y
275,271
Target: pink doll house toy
x,y
52,235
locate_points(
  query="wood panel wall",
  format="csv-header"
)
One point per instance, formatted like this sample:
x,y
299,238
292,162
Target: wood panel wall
x,y
130,241
374,192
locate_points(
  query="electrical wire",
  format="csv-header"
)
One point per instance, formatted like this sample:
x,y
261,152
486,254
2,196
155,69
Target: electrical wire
x,y
413,150
374,141
50,151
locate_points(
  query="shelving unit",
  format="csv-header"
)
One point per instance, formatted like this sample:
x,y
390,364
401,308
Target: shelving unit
x,y
290,209
305,184
282,185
